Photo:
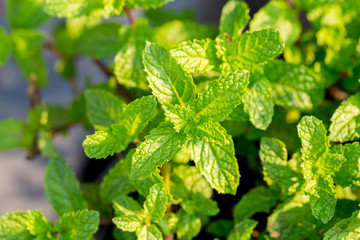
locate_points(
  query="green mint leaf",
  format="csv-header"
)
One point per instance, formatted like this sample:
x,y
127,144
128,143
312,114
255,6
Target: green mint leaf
x,y
125,205
103,108
251,49
292,220
234,18
146,4
273,155
128,68
345,122
113,7
214,155
174,32
38,225
312,133
117,136
278,14
197,56
101,41
258,199
65,43
129,223
164,225
116,183
169,83
294,86
341,57
199,205
25,13
25,225
187,225
243,230
62,188
5,47
349,174
219,98
149,233
58,116
345,229
77,111
27,49
320,185
104,143
72,8
143,186
79,225
187,181
160,145
259,104
180,116
13,226
220,227
319,167
12,132
155,204
182,157
238,114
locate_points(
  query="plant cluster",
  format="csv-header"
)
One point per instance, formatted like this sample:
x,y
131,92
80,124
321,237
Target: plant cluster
x,y
183,105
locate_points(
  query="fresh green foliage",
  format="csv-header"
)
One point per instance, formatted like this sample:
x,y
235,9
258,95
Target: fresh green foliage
x,y
349,172
278,14
116,183
197,56
294,86
160,145
260,199
13,131
25,13
103,108
106,36
290,220
27,44
128,68
259,97
345,229
243,230
277,170
319,167
78,225
142,220
61,185
212,146
187,226
33,225
250,49
169,83
345,122
25,225
234,17
218,99
185,108
125,128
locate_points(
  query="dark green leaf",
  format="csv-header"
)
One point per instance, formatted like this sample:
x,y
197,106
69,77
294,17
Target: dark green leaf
x,y
259,199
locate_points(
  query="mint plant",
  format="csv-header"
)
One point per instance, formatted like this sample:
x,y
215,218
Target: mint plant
x,y
186,110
